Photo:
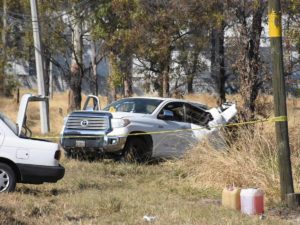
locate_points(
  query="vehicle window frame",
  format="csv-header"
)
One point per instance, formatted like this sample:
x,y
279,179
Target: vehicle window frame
x,y
155,103
164,108
196,109
12,126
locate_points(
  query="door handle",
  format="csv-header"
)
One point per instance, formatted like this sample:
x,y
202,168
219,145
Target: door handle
x,y
184,127
160,126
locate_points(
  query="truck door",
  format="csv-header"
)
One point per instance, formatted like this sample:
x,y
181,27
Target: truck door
x,y
175,135
199,120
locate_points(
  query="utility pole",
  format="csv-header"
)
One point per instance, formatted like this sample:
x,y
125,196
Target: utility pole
x,y
282,137
39,66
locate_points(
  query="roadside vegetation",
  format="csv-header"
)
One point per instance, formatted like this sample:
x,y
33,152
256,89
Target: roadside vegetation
x,y
169,48
112,193
185,191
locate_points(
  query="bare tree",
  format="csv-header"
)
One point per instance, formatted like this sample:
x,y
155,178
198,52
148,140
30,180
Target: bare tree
x,y
248,64
217,37
76,71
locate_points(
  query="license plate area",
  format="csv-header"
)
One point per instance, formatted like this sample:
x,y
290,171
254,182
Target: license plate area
x,y
80,143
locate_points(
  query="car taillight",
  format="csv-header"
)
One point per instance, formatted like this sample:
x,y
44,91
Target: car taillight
x,y
57,155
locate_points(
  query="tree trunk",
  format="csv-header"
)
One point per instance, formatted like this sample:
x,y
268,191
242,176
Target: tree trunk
x,y
47,72
166,75
193,72
47,81
75,89
213,58
147,85
112,93
190,80
158,85
250,73
94,68
128,75
222,71
4,44
218,57
76,68
166,85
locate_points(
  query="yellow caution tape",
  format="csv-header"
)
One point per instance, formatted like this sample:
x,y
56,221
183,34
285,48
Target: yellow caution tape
x,y
271,120
274,24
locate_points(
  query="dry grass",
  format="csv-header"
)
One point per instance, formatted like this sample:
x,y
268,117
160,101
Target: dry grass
x,y
113,193
186,191
251,161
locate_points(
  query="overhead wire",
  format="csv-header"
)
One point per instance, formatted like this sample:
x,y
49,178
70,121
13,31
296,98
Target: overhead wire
x,y
26,20
26,17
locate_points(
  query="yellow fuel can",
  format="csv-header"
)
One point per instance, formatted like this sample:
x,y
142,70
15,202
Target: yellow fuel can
x,y
231,197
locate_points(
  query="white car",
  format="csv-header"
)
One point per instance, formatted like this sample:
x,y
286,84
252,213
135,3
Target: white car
x,y
140,128
24,159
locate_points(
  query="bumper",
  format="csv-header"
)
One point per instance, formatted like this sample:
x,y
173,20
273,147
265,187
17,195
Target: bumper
x,y
104,144
36,174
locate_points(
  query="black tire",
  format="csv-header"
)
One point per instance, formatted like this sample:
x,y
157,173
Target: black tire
x,y
7,178
136,151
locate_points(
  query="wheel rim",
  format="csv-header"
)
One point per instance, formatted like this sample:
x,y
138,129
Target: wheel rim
x,y
4,180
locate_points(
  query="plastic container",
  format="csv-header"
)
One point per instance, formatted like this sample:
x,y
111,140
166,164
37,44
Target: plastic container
x,y
252,201
231,198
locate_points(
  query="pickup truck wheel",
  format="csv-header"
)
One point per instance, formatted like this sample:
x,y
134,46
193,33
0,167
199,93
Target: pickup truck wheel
x,y
7,178
136,150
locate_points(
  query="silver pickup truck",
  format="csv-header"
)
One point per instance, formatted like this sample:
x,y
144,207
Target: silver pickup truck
x,y
141,128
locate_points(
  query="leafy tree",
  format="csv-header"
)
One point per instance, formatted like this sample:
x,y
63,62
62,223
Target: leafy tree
x,y
291,10
10,44
114,21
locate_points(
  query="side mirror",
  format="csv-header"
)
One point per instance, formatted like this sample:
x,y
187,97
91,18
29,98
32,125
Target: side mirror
x,y
167,115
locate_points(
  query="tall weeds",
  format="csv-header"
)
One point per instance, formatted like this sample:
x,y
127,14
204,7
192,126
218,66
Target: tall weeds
x,y
248,161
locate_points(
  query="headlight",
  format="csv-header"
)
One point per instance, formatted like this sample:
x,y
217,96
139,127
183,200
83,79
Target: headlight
x,y
118,123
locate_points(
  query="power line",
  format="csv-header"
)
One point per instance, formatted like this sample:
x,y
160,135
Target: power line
x,y
27,17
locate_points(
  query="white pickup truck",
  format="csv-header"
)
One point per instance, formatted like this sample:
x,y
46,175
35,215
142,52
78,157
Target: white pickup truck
x,y
140,128
24,159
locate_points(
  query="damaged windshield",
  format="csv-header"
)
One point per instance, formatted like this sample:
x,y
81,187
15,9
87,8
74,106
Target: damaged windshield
x,y
134,105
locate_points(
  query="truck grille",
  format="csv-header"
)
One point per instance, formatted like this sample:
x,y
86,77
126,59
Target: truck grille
x,y
83,123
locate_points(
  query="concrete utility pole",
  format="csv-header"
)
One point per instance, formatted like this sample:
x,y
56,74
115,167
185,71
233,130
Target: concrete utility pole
x,y
282,137
39,66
